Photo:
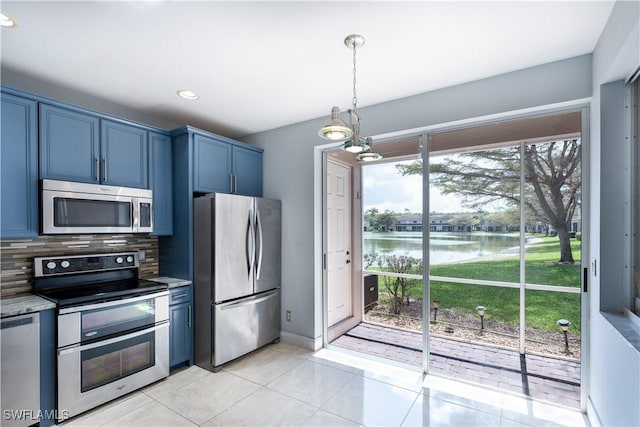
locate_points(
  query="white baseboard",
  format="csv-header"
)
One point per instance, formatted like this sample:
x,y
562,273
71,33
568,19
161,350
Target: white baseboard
x,y
312,344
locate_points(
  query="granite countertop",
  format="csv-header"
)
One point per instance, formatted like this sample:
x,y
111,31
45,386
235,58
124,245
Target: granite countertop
x,y
23,304
172,282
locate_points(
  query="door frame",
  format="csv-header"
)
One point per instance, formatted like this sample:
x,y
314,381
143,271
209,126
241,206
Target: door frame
x,y
334,331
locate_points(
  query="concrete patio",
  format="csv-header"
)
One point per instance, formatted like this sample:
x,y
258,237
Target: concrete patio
x,y
542,377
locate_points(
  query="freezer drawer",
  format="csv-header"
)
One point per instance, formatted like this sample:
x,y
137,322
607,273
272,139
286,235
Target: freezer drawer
x,y
242,326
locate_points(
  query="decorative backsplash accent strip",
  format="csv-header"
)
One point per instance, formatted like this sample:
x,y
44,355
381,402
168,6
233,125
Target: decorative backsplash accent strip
x,y
17,255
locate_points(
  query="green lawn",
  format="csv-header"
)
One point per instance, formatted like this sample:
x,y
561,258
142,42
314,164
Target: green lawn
x,y
543,308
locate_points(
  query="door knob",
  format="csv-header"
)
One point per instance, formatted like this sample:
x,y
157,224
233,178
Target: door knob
x,y
348,261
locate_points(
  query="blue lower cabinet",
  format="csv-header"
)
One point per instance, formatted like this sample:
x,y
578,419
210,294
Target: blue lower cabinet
x,y
181,328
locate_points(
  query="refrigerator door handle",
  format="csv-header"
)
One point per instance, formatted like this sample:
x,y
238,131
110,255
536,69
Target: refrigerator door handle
x,y
248,301
250,246
259,236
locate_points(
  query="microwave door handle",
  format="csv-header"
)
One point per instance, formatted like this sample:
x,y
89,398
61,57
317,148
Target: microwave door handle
x,y
135,213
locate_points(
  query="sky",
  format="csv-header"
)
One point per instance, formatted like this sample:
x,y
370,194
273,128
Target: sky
x,y
384,188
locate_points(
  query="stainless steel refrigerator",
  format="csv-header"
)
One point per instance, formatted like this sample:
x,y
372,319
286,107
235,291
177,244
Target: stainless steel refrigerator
x,y
236,276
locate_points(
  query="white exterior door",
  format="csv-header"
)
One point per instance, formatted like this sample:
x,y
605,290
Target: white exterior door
x,y
338,242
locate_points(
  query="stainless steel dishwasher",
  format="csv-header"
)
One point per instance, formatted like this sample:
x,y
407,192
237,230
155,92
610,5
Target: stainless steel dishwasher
x,y
20,342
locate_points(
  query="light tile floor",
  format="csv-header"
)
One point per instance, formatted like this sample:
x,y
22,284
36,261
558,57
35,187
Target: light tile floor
x,y
285,385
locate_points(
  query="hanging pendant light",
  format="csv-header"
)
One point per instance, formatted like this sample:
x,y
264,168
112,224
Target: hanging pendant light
x,y
337,130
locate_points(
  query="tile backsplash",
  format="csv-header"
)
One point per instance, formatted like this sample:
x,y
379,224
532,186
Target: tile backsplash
x,y
17,255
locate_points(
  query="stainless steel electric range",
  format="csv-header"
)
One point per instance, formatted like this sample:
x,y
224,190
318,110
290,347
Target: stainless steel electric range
x,y
112,327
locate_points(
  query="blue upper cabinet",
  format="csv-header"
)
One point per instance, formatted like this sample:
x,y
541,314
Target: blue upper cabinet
x,y
80,147
161,179
212,165
223,166
247,171
19,173
69,145
123,155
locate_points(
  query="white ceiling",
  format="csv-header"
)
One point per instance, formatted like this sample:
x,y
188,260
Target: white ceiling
x,y
262,65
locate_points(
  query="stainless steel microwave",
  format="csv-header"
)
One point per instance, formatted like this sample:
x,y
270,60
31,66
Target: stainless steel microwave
x,y
78,208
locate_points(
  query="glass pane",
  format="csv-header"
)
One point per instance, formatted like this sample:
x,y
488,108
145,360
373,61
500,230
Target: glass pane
x,y
90,213
100,370
457,314
474,218
136,358
117,319
392,243
553,215
108,363
553,245
543,333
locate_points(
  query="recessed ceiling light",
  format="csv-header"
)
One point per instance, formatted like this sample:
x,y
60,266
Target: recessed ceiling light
x,y
187,94
7,21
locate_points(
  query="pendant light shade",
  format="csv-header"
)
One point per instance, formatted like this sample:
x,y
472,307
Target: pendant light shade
x,y
336,129
369,155
356,146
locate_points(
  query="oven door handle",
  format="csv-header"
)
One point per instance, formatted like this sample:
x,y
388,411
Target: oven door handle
x,y
75,309
76,348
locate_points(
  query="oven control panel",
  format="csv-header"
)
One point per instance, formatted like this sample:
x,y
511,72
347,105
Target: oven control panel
x,y
48,266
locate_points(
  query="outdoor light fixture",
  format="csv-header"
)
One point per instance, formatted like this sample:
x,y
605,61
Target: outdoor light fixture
x,y
564,325
436,305
481,309
338,130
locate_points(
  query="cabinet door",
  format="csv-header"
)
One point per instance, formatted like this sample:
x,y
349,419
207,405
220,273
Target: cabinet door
x,y
19,173
160,177
211,165
123,155
247,171
69,145
181,326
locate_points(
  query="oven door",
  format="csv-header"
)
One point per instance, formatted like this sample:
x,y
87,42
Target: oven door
x,y
92,374
88,323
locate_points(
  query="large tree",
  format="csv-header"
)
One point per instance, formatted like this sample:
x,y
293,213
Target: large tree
x,y
552,176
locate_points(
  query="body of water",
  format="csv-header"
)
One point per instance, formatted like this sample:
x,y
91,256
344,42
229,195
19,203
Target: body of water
x,y
444,247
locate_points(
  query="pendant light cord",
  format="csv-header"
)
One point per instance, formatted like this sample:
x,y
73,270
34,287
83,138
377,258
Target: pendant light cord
x,y
355,98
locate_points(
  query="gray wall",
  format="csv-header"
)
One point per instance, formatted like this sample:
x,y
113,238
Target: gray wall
x,y
289,159
613,375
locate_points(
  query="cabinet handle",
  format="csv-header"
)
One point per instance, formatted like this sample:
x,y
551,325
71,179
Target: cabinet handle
x,y
189,310
231,183
104,172
176,296
97,169
235,183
